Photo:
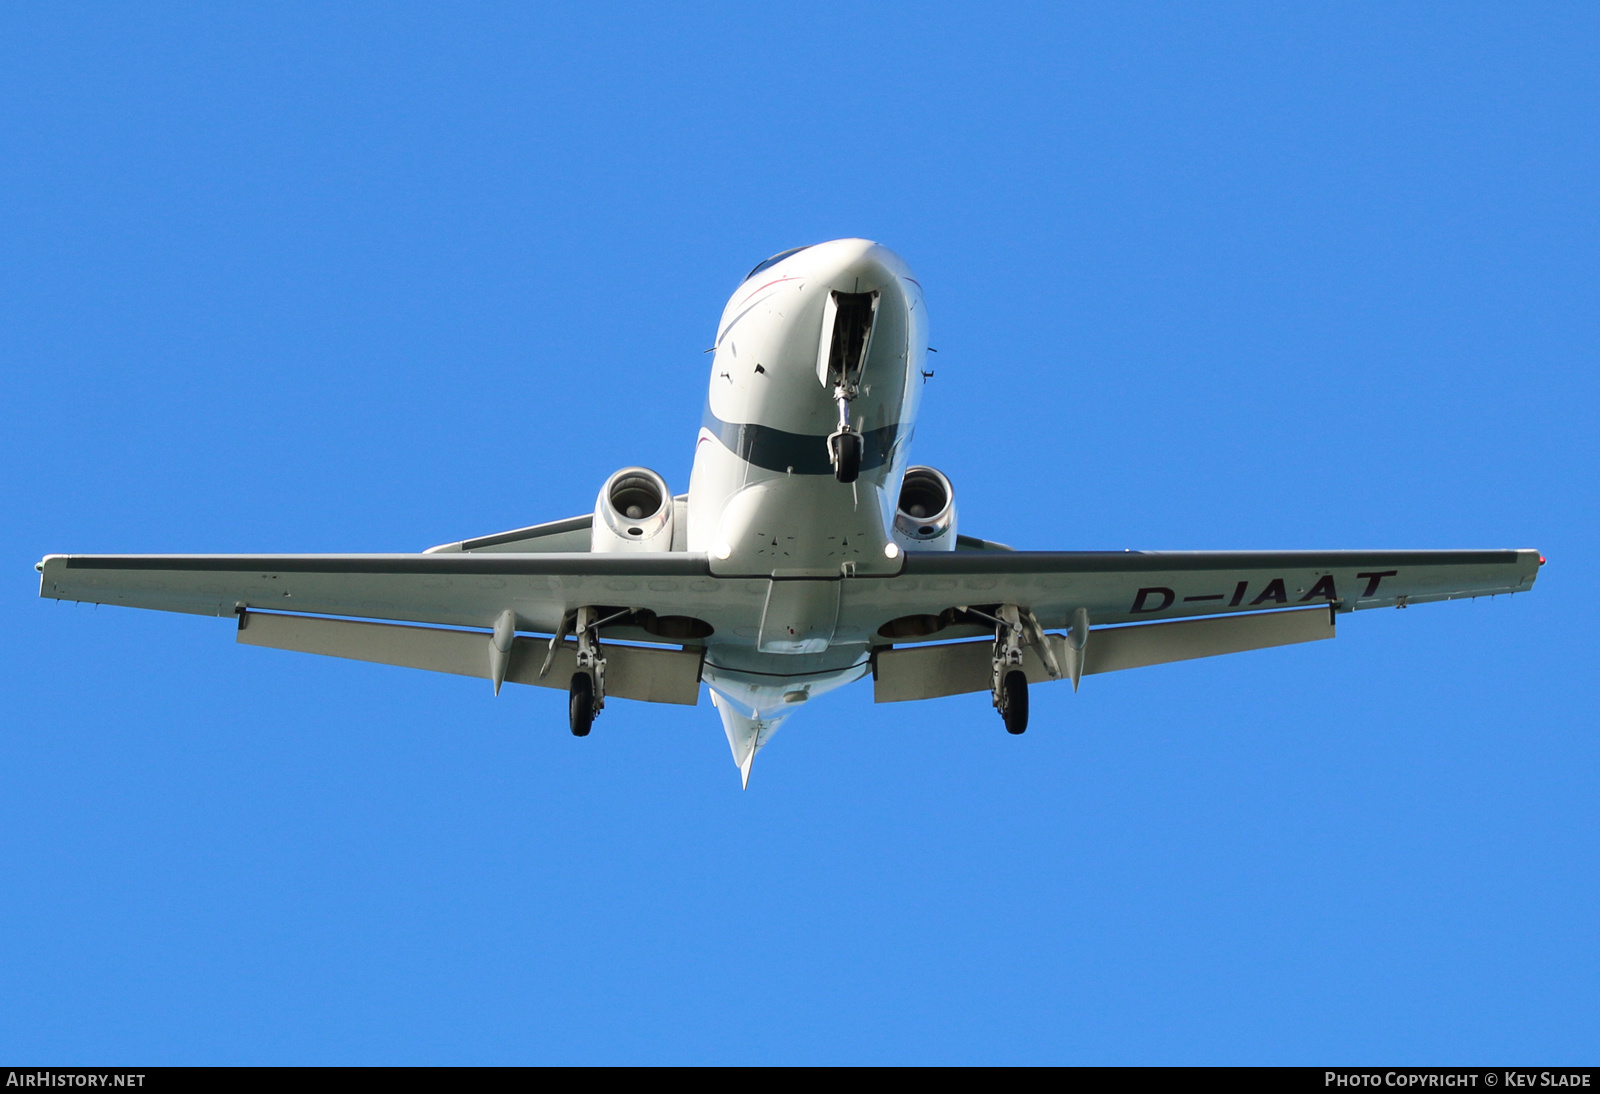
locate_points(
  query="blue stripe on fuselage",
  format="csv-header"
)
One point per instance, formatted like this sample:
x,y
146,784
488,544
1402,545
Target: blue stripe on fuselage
x,y
795,453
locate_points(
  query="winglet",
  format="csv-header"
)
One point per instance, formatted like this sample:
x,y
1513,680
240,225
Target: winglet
x,y
744,768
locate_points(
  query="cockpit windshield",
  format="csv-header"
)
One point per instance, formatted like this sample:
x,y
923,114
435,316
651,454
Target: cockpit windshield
x,y
773,261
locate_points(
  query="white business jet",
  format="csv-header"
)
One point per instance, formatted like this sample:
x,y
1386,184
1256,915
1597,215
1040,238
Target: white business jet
x,y
806,555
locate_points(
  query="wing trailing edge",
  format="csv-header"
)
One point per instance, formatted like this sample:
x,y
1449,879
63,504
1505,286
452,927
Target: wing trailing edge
x,y
650,675
954,668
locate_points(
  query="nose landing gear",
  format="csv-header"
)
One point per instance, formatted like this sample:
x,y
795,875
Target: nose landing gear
x,y
844,452
847,321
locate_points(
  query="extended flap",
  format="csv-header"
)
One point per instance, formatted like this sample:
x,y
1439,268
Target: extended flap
x,y
953,668
632,672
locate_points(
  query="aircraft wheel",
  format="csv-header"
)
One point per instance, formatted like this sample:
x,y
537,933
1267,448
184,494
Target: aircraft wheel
x,y
1015,711
580,704
848,465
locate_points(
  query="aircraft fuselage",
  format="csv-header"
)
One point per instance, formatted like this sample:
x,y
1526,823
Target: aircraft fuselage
x,y
765,499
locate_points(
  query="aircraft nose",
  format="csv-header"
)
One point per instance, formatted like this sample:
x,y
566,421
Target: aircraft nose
x,y
852,265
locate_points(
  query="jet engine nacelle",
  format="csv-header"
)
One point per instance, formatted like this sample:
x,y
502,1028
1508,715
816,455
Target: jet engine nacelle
x,y
632,513
925,516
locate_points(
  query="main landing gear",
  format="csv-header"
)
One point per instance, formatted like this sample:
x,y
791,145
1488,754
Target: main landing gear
x,y
580,704
1015,628
1013,702
1009,686
586,694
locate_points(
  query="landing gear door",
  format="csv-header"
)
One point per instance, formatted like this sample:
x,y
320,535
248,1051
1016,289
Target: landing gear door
x,y
847,320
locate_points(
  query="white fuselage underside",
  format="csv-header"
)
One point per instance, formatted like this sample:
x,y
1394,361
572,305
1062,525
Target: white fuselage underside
x,y
763,497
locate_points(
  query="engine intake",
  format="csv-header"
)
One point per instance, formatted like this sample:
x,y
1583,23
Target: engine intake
x,y
925,516
632,513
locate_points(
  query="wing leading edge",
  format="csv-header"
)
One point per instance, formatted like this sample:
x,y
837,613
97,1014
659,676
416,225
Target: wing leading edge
x,y
1150,586
446,589
468,589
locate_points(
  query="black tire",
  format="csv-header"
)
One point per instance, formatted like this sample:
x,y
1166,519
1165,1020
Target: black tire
x,y
848,465
580,704
1016,699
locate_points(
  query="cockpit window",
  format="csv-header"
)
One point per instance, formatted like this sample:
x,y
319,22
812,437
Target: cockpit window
x,y
773,261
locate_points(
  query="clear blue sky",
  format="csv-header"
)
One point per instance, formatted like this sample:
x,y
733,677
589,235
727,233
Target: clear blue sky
x,y
282,278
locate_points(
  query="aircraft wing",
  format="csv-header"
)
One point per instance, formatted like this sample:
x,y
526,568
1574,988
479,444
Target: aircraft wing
x,y
1163,606
293,602
1149,586
472,589
673,596
443,588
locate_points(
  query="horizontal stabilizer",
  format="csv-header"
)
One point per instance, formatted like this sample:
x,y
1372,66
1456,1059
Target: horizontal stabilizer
x,y
632,672
571,534
954,668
